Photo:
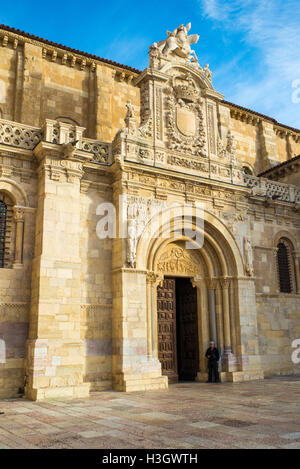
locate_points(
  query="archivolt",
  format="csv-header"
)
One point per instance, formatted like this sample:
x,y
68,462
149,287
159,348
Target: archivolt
x,y
220,253
15,191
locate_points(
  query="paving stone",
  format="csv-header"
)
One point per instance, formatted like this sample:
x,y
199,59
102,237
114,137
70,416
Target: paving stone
x,y
185,416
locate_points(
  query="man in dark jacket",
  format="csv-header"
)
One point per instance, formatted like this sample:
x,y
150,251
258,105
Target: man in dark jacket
x,y
212,356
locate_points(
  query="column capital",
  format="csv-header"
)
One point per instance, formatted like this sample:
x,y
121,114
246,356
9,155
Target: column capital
x,y
211,283
197,280
225,282
18,213
154,279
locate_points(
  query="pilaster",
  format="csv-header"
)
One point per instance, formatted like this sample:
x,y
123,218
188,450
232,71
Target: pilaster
x,y
54,362
19,219
135,364
268,146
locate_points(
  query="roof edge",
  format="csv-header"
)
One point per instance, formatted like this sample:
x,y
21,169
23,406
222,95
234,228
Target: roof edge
x,y
4,27
19,32
278,166
264,116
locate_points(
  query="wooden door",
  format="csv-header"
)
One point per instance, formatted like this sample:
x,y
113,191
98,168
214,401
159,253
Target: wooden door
x,y
166,326
187,325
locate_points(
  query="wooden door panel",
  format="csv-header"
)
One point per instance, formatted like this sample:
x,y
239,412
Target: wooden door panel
x,y
188,358
166,325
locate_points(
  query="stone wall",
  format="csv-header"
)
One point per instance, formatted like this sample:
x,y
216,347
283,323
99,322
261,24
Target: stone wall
x,y
96,289
37,83
278,314
15,282
278,319
88,307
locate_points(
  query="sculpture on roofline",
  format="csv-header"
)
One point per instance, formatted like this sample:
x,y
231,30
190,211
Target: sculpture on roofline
x,y
179,43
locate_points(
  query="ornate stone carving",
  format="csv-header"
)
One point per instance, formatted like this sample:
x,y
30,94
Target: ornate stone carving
x,y
248,256
100,150
177,44
130,119
131,242
153,278
225,282
158,113
187,163
231,220
160,156
211,127
177,261
18,213
130,110
139,211
207,72
145,153
184,117
146,128
227,149
19,135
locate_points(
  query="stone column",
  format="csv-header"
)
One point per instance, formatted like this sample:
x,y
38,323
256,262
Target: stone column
x,y
232,297
225,281
152,282
203,325
219,314
211,287
297,269
275,267
55,352
19,219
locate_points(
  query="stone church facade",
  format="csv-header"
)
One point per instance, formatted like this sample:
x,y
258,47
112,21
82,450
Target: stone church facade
x,y
80,135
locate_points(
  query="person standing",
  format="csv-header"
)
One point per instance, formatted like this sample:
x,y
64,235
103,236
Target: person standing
x,y
213,357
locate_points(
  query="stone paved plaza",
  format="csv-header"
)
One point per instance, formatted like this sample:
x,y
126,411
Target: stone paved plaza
x,y
257,414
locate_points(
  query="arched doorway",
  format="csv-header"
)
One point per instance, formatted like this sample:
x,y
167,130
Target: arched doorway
x,y
177,326
216,272
226,309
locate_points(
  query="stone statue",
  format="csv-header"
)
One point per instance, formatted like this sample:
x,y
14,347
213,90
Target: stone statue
x,y
130,119
131,242
207,72
154,55
179,42
248,256
130,111
230,143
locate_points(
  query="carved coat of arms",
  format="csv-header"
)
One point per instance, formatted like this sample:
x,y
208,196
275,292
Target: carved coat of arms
x,y
186,121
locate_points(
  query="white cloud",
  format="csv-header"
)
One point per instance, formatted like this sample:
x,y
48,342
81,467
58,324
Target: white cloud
x,y
272,28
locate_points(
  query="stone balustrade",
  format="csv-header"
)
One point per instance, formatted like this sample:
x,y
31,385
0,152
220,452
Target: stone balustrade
x,y
272,189
27,137
19,135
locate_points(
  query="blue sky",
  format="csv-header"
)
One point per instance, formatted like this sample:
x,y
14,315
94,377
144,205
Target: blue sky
x,y
252,46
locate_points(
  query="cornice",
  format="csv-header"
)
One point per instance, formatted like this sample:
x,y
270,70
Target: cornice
x,y
16,36
180,175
